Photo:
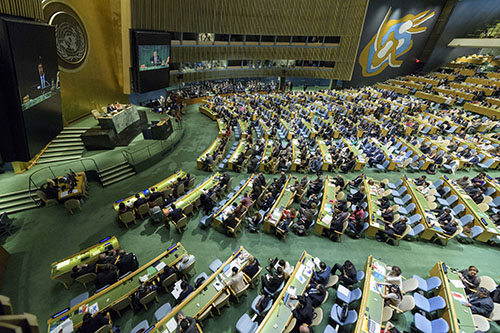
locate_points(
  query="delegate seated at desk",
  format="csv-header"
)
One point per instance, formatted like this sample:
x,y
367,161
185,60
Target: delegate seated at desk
x,y
252,267
469,278
273,282
186,324
480,302
92,324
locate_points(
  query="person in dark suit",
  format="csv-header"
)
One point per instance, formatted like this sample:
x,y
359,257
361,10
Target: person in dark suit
x,y
252,267
139,201
127,262
186,324
175,214
154,195
155,60
186,290
316,293
272,283
91,324
469,278
105,277
450,228
83,269
303,312
349,273
480,302
445,216
392,229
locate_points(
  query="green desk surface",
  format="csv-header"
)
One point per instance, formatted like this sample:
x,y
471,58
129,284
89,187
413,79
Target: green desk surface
x,y
123,288
493,183
285,124
209,112
372,199
222,127
265,128
422,204
243,126
459,316
161,186
195,193
384,149
281,203
65,266
269,149
295,149
240,149
372,304
412,147
355,150
327,157
204,295
309,126
328,203
280,314
210,150
476,211
237,196
39,99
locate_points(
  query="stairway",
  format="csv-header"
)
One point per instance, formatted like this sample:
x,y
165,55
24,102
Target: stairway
x,y
18,201
116,173
67,146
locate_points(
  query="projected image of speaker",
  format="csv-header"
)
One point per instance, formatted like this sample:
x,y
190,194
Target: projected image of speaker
x,y
150,59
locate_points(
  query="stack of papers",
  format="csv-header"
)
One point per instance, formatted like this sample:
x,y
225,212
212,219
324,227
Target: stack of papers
x,y
327,219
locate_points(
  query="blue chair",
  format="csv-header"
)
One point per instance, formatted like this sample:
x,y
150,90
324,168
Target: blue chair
x,y
429,284
163,311
466,219
408,209
246,325
414,219
448,202
329,329
215,265
360,275
476,231
142,325
414,232
426,326
206,221
429,304
351,296
254,306
403,200
352,315
78,299
397,193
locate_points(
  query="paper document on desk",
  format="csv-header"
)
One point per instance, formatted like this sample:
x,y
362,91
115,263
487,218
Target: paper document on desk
x,y
218,285
177,289
300,270
94,308
457,284
171,325
160,266
64,194
459,297
373,326
64,327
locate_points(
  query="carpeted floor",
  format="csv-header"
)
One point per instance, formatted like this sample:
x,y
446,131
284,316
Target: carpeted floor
x,y
48,234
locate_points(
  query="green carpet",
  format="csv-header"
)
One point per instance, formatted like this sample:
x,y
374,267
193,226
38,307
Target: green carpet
x,y
48,234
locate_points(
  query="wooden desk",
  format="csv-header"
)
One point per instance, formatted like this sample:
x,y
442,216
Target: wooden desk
x,y
208,112
327,157
372,208
418,152
209,151
280,315
160,187
125,287
387,154
457,93
284,200
64,188
194,194
480,218
221,214
239,150
327,206
492,100
360,161
201,298
423,210
476,108
458,316
268,150
222,128
434,98
61,270
397,89
372,304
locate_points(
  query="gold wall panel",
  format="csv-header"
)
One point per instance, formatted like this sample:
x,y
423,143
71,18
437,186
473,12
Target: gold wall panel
x,y
23,8
99,80
259,17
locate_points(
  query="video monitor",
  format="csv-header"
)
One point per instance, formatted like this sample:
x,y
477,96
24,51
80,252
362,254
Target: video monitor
x,y
153,57
150,60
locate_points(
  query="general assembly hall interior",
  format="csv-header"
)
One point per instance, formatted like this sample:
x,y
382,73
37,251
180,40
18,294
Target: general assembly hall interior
x,y
249,166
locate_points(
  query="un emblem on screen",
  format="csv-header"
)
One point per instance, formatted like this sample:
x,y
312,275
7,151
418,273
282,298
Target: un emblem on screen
x,y
70,35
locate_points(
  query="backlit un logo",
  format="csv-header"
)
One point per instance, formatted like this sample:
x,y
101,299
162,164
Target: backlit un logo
x,y
392,40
